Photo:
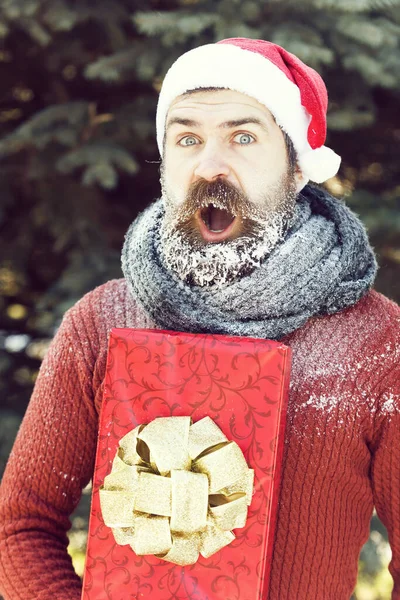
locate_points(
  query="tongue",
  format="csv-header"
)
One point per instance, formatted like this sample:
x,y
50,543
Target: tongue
x,y
219,219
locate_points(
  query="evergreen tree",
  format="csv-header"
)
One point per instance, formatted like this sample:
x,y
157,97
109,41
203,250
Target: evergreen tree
x,y
78,157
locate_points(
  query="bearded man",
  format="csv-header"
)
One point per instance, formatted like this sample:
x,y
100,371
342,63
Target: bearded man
x,y
239,244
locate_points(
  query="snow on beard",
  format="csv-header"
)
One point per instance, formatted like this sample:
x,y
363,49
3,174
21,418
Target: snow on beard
x,y
258,229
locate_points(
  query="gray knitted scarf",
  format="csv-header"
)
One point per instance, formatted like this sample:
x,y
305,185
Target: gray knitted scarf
x,y
323,265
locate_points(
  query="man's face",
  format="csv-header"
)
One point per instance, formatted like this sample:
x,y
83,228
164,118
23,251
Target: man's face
x,y
228,189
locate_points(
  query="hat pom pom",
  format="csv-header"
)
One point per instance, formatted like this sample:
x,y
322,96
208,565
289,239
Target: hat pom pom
x,y
320,164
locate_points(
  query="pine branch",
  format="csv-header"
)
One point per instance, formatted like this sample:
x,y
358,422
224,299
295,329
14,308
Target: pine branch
x,y
36,31
173,27
305,42
61,123
13,10
352,6
374,33
58,16
371,69
99,160
351,104
114,68
4,29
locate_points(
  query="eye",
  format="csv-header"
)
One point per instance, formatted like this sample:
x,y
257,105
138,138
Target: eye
x,y
188,140
244,139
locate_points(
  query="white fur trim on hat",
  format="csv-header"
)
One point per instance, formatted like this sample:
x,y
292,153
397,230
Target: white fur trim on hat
x,y
231,67
319,164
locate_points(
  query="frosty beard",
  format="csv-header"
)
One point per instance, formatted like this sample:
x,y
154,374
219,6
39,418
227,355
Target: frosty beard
x,y
258,230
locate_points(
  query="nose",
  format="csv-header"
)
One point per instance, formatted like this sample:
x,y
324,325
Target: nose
x,y
211,164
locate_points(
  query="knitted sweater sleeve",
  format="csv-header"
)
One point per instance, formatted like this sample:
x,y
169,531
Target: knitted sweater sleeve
x,y
385,448
51,461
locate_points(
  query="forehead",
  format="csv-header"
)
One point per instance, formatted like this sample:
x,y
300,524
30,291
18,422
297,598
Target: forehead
x,y
218,102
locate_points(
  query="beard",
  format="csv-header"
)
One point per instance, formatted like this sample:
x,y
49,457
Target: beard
x,y
257,230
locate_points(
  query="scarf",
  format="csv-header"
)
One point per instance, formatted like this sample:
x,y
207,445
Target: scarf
x,y
323,265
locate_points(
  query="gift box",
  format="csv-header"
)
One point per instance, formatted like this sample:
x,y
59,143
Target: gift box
x,y
187,470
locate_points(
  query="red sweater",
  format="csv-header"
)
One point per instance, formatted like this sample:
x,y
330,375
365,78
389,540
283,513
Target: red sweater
x,y
342,450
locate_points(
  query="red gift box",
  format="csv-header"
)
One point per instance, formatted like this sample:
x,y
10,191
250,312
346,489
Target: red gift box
x,y
242,384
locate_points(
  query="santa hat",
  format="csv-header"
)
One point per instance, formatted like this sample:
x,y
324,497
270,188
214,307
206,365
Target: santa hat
x,y
294,93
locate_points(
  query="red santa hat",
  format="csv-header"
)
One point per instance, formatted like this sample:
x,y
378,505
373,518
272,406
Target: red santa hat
x,y
294,93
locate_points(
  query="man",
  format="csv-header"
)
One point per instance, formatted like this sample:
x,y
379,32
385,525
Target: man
x,y
239,244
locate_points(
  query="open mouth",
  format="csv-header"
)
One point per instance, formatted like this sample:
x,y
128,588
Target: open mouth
x,y
216,224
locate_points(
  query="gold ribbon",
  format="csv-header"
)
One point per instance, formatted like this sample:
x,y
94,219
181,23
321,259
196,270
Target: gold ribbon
x,y
176,490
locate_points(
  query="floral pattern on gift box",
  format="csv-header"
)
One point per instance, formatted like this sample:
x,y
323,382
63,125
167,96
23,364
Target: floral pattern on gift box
x,y
241,384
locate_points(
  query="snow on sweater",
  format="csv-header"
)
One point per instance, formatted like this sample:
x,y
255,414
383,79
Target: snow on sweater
x,y
342,450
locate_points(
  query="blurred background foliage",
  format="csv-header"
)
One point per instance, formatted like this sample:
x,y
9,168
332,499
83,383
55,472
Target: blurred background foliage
x,y
78,156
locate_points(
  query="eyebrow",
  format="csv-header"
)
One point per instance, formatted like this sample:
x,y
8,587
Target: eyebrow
x,y
225,125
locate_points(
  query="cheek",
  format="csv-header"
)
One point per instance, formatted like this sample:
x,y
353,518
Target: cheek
x,y
263,180
270,165
174,186
255,177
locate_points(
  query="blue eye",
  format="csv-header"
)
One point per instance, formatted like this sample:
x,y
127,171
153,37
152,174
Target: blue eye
x,y
244,139
189,140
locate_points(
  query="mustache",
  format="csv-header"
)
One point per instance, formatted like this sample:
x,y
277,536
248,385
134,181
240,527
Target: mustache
x,y
221,194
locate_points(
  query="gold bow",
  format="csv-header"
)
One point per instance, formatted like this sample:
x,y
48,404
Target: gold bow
x,y
176,489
